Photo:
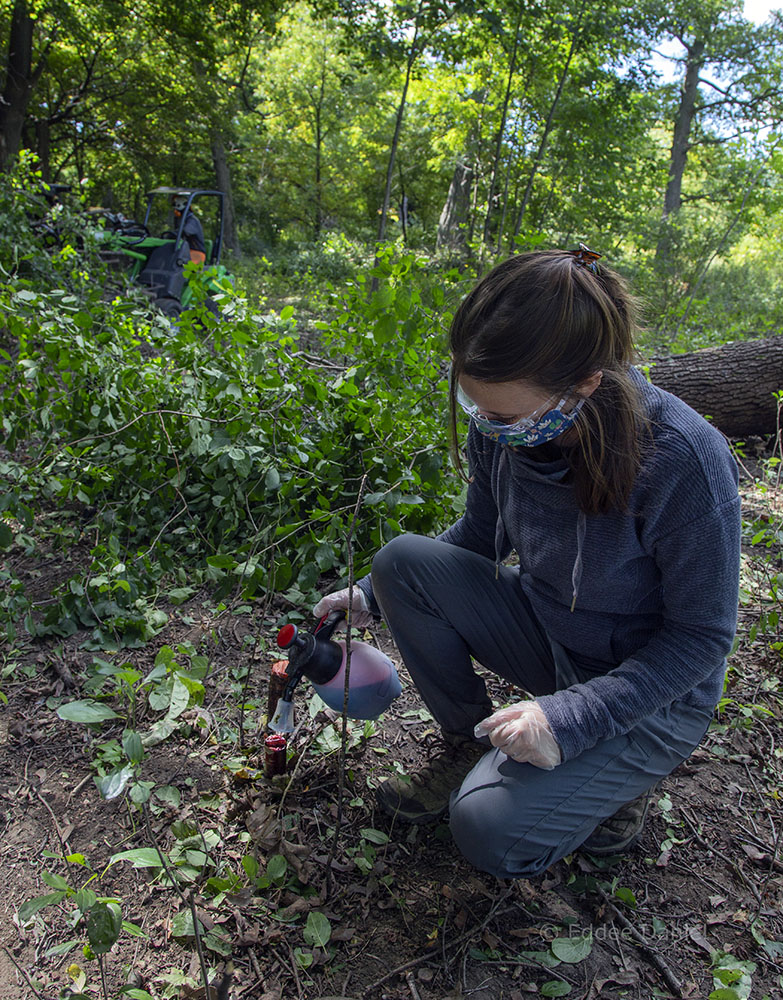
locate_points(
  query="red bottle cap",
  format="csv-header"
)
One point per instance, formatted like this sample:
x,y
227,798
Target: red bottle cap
x,y
286,636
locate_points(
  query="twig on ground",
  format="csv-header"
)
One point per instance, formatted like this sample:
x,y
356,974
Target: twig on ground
x,y
412,986
56,828
79,787
256,966
370,990
724,857
295,971
671,980
774,865
27,978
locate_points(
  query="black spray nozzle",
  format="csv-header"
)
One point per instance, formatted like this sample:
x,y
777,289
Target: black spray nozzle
x,y
311,654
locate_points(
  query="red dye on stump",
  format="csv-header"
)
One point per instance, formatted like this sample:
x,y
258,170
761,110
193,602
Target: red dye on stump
x,y
275,754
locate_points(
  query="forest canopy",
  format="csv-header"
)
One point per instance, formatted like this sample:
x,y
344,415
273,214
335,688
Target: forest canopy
x,y
649,129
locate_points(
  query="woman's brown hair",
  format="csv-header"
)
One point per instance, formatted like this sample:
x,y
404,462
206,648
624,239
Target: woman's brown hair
x,y
552,320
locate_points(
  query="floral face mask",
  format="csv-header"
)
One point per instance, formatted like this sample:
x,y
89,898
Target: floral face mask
x,y
535,429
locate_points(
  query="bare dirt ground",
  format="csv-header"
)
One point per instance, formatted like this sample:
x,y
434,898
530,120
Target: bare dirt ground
x,y
287,910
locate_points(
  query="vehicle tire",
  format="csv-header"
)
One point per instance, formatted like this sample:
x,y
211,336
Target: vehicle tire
x,y
169,307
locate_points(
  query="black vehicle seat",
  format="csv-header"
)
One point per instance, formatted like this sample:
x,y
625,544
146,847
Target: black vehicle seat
x,y
163,270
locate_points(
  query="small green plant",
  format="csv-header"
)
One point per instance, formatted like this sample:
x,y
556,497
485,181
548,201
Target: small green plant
x,y
170,688
98,919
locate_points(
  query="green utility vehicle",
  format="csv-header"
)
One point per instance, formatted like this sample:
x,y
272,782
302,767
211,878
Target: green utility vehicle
x,y
180,225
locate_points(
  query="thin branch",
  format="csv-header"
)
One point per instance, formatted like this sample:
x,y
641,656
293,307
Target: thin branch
x,y
189,901
671,980
27,978
146,413
371,991
346,687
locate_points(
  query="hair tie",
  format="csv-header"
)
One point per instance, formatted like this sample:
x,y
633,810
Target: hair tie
x,y
586,257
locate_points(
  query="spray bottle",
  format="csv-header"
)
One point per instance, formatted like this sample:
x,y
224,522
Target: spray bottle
x,y
373,682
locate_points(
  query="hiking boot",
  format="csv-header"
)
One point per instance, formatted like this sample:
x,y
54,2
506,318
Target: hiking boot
x,y
424,795
620,832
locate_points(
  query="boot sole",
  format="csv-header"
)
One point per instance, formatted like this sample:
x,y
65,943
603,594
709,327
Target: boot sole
x,y
621,847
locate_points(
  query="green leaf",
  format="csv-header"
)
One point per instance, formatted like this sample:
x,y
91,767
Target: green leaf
x,y
304,959
6,535
178,595
54,881
375,836
221,561
87,711
572,949
732,974
113,784
218,941
133,929
132,745
180,699
286,312
276,867
182,925
555,988
104,923
272,480
317,929
625,895
140,857
85,899
63,948
282,572
32,906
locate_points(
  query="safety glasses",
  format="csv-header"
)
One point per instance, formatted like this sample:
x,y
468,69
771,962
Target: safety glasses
x,y
522,424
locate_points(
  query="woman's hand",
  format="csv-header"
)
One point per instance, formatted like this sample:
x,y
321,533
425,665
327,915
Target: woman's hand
x,y
522,733
338,601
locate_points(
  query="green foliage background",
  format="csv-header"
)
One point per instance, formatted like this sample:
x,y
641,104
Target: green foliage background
x,y
233,450
226,451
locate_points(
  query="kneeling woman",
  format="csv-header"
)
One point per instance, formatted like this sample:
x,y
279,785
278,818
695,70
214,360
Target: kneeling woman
x,y
621,504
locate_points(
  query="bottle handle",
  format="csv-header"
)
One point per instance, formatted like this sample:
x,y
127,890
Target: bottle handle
x,y
328,624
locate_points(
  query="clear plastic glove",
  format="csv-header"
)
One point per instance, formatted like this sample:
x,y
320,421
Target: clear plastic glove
x,y
522,732
338,601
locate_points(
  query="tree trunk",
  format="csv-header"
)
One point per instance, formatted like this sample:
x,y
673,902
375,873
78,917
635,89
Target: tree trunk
x,y
733,385
451,226
223,178
683,122
318,197
412,53
18,85
501,128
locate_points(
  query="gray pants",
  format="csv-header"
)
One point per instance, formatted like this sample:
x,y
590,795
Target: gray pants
x,y
443,606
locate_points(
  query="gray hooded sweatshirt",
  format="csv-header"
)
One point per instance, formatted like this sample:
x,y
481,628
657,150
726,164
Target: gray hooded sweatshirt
x,y
643,602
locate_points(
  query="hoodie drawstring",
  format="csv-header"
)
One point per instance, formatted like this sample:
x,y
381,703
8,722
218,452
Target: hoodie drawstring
x,y
576,572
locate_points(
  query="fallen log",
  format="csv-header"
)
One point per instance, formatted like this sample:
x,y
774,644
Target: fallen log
x,y
734,385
